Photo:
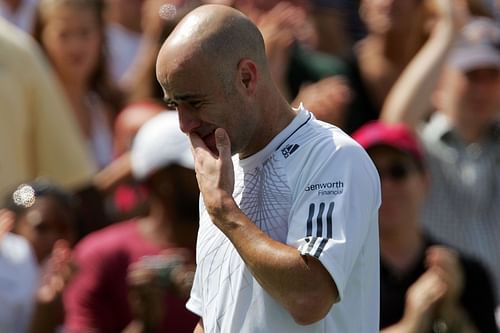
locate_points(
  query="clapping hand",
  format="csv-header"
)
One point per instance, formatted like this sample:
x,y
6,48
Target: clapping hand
x,y
151,277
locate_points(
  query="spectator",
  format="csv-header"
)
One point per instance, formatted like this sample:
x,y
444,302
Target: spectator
x,y
39,136
44,215
125,197
18,278
461,139
124,35
334,16
133,253
134,26
142,84
395,32
71,32
302,73
145,100
424,285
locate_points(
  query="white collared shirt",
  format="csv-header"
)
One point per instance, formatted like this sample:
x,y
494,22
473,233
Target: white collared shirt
x,y
313,188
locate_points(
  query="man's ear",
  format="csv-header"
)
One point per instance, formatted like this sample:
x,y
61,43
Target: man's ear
x,y
248,76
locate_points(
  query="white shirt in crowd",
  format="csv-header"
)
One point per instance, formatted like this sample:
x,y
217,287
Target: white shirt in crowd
x,y
18,283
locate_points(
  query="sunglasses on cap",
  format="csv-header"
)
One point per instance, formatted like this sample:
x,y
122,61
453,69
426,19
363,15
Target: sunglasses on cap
x,y
396,171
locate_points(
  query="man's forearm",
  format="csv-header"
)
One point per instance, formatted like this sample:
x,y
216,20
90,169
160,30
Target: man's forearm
x,y
410,96
300,283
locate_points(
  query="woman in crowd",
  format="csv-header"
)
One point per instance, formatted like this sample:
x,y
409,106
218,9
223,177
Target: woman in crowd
x,y
72,34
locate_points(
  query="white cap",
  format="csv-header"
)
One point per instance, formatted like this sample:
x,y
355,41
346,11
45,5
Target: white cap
x,y
158,144
478,47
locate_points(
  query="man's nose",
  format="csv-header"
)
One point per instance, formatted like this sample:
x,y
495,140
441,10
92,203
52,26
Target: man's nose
x,y
187,120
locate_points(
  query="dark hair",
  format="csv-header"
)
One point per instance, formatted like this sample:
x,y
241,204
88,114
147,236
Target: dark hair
x,y
100,80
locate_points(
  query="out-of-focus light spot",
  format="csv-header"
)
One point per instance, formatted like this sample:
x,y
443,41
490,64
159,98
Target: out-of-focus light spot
x,y
24,196
167,11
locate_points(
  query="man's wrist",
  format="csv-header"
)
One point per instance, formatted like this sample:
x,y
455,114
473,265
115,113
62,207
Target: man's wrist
x,y
223,209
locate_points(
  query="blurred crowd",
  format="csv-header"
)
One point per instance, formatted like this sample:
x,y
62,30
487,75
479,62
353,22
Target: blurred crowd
x,y
99,212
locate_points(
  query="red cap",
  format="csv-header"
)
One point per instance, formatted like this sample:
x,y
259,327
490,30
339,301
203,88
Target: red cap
x,y
398,136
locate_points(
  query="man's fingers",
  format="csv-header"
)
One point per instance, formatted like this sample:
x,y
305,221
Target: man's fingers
x,y
223,144
196,141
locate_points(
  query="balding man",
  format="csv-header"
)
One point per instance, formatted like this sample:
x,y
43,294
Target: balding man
x,y
288,238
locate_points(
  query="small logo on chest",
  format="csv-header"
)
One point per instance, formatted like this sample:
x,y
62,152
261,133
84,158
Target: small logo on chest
x,y
289,150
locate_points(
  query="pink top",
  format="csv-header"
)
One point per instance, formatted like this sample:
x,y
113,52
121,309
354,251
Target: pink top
x,y
96,297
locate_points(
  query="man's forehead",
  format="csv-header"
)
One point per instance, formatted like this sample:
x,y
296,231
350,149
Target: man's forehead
x,y
171,70
184,83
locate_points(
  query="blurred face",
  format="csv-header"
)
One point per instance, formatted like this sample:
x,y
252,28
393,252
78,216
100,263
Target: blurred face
x,y
204,103
473,98
43,224
178,186
382,16
72,39
403,188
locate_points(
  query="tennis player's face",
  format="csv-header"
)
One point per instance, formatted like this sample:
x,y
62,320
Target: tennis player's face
x,y
72,39
205,103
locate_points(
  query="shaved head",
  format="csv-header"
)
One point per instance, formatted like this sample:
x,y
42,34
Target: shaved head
x,y
216,35
213,71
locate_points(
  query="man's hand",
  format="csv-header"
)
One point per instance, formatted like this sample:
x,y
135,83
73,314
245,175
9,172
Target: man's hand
x,y
280,27
215,174
424,295
56,273
446,262
454,11
301,284
422,300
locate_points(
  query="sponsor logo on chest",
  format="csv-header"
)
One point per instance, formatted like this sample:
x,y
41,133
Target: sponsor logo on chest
x,y
326,188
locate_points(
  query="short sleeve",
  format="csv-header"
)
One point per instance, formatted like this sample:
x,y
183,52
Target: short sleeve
x,y
335,205
194,303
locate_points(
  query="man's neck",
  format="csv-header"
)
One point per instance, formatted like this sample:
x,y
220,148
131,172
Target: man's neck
x,y
470,133
277,115
468,129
